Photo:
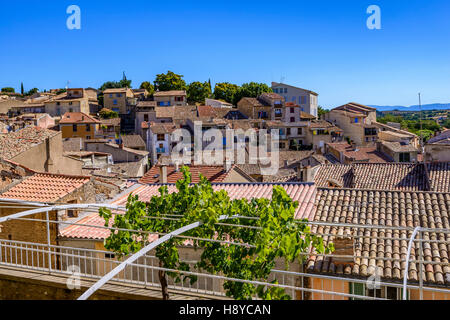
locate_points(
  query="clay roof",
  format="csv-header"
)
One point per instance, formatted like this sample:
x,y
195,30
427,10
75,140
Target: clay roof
x,y
212,173
14,143
439,176
403,209
355,107
162,128
77,117
115,90
361,154
110,122
142,104
303,193
387,176
205,111
272,95
442,137
322,124
133,141
254,102
399,147
116,146
45,187
176,112
169,93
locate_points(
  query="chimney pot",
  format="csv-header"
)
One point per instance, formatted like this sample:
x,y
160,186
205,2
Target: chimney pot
x,y
163,174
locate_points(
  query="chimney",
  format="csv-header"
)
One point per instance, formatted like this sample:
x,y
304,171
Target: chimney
x,y
177,166
121,145
163,174
353,144
300,172
227,166
344,249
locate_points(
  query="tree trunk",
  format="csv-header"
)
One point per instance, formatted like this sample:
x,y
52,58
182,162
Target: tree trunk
x,y
163,281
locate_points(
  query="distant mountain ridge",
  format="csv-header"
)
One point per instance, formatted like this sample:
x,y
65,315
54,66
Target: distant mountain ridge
x,y
434,106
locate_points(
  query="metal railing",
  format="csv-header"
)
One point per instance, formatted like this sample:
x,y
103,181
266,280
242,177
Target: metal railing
x,y
55,258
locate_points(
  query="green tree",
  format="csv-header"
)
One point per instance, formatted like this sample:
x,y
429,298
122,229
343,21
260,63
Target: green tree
x,y
21,88
124,83
169,81
225,91
61,91
148,86
31,92
273,232
8,89
197,92
251,90
108,114
321,112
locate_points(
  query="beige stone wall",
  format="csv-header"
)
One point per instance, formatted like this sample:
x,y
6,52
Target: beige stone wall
x,y
235,177
80,105
435,152
354,131
48,157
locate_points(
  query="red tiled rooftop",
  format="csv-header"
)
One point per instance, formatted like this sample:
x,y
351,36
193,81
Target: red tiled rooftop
x,y
214,174
14,143
77,117
45,187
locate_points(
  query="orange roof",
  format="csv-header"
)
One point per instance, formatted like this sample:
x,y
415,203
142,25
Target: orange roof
x,y
212,173
45,187
78,117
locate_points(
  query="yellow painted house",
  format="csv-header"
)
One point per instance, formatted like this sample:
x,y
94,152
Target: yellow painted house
x,y
79,125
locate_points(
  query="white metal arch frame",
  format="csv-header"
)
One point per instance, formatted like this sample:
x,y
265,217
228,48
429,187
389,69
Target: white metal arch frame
x,y
139,254
120,267
45,208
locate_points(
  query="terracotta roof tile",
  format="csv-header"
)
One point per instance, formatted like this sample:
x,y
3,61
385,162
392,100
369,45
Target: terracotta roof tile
x,y
387,176
14,143
77,117
385,208
45,187
133,141
212,173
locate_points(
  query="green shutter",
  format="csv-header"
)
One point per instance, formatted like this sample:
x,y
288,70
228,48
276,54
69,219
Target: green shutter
x,y
358,289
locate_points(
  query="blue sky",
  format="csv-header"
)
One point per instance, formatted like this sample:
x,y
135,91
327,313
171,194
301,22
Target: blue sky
x,y
324,46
